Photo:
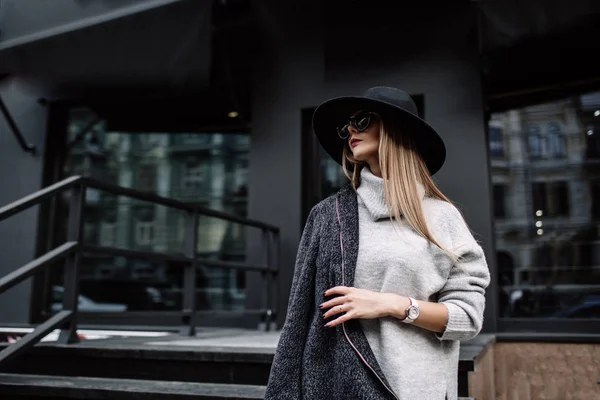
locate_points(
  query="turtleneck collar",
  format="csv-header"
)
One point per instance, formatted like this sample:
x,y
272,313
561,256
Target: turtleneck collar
x,y
372,194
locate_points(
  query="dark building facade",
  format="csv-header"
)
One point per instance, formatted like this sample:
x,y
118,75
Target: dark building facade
x,y
210,103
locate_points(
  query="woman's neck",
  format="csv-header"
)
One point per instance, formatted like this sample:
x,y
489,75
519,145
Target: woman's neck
x,y
374,168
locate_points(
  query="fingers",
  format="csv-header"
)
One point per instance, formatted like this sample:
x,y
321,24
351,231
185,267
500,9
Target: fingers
x,y
334,302
340,320
338,305
343,290
338,309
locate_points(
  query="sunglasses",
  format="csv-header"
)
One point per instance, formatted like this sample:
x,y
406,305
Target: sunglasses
x,y
359,121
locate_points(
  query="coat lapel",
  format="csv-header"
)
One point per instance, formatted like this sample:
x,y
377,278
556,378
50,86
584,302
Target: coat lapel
x,y
348,213
348,209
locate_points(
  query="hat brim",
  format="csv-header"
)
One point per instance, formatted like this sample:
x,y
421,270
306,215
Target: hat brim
x,y
333,113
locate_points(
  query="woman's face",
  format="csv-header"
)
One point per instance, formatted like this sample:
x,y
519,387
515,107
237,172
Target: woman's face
x,y
365,144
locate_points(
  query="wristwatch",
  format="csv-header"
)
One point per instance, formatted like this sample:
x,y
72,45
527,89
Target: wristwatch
x,y
412,312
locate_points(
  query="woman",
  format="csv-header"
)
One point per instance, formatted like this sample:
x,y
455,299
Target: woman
x,y
388,277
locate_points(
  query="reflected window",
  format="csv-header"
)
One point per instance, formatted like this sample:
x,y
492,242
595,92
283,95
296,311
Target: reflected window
x,y
550,199
192,177
595,206
496,142
144,233
534,141
556,141
146,178
592,136
194,138
108,234
499,200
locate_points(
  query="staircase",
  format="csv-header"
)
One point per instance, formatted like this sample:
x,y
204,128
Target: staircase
x,y
42,387
109,369
131,369
216,364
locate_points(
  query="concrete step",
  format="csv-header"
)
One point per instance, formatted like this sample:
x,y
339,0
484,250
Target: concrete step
x,y
208,365
215,357
44,387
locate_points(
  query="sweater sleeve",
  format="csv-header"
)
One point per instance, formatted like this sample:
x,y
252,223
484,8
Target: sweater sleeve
x,y
464,291
286,371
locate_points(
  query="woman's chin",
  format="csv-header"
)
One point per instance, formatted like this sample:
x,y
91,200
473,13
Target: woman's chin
x,y
360,156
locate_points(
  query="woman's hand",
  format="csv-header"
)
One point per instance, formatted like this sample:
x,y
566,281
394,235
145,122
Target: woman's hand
x,y
355,303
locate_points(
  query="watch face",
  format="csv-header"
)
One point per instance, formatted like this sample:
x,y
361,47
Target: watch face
x,y
413,313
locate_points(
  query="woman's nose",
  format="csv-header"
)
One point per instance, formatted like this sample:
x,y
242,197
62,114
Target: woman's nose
x,y
352,130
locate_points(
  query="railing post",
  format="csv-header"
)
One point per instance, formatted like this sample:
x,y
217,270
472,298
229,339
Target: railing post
x,y
266,276
275,273
68,333
189,277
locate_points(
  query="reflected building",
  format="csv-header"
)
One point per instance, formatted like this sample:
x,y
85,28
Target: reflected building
x,y
206,169
546,193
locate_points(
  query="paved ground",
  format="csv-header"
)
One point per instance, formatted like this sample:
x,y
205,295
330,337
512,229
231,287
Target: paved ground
x,y
221,338
225,339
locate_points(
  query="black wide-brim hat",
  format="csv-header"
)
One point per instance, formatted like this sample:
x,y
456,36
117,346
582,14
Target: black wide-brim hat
x,y
391,104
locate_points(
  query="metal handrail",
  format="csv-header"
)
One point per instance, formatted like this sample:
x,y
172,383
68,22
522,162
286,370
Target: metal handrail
x,y
176,204
74,248
157,256
35,198
29,269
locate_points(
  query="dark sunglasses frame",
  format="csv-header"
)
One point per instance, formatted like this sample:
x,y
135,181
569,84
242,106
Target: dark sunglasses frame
x,y
343,131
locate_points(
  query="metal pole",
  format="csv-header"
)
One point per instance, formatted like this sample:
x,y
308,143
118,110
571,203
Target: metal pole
x,y
266,275
27,147
275,273
68,333
189,277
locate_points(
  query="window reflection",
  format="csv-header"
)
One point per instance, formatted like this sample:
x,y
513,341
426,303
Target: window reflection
x,y
546,206
207,169
556,141
496,138
534,140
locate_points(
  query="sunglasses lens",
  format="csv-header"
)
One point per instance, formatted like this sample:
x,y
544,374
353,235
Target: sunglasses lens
x,y
343,132
362,122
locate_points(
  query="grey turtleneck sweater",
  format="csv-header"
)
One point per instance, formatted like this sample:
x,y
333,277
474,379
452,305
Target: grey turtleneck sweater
x,y
419,364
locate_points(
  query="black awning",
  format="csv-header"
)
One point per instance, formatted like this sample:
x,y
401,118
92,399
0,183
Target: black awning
x,y
537,50
154,49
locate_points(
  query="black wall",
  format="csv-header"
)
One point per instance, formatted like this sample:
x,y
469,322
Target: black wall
x,y
300,66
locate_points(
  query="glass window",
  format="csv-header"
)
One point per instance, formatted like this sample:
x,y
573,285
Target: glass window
x,y
208,169
549,244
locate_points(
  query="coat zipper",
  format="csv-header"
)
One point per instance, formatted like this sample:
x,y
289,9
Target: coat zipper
x,y
344,324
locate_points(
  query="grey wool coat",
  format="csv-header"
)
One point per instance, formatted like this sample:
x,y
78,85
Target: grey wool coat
x,y
318,363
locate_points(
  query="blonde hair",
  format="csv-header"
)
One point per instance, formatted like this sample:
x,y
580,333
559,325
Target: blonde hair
x,y
402,168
